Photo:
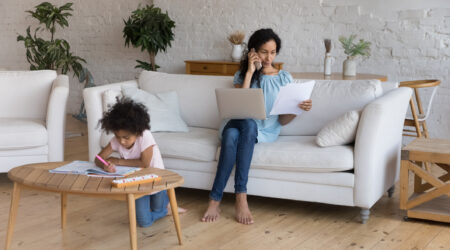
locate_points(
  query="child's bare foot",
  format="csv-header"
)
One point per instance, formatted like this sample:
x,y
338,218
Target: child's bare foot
x,y
180,210
243,214
213,211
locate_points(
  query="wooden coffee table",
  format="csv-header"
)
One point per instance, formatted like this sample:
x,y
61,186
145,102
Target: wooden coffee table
x,y
430,200
37,177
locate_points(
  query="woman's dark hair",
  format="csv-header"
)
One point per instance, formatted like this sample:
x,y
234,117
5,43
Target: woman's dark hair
x,y
126,115
256,40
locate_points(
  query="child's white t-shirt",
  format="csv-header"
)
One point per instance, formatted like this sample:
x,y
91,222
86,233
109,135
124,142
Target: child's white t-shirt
x,y
141,144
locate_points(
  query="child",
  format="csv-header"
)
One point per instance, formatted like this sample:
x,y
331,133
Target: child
x,y
134,142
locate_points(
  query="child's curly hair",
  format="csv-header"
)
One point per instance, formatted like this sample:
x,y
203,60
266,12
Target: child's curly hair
x,y
126,115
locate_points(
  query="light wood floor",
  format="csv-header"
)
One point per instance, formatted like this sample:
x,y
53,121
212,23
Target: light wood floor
x,y
280,224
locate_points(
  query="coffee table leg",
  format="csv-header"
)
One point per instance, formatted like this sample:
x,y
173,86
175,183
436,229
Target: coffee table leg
x,y
132,218
63,209
15,197
174,207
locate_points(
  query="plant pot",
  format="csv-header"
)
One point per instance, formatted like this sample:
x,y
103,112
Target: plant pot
x,y
349,66
236,53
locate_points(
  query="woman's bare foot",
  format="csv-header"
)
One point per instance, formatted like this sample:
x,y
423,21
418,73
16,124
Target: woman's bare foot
x,y
180,210
243,214
213,211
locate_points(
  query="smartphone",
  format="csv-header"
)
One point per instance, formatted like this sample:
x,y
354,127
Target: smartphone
x,y
258,65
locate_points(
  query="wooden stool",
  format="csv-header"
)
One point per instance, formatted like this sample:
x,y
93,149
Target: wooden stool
x,y
430,200
418,120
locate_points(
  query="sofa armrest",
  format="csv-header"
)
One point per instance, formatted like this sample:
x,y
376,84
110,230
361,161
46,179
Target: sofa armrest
x,y
94,112
377,146
56,117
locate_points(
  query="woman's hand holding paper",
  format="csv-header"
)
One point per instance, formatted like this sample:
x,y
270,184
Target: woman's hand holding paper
x,y
306,105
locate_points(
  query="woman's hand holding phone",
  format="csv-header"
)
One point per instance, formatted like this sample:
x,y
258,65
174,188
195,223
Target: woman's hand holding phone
x,y
254,62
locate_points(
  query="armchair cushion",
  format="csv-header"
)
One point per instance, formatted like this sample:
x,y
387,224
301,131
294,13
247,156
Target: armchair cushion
x,y
21,133
25,93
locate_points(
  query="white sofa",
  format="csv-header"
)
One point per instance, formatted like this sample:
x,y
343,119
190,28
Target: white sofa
x,y
293,167
32,117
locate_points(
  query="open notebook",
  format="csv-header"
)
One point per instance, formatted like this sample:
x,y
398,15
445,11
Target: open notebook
x,y
89,168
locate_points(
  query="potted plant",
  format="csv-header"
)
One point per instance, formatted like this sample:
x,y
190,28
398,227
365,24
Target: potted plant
x,y
151,30
55,53
237,40
352,49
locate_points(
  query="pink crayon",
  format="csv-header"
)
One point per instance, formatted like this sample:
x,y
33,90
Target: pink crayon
x,y
101,159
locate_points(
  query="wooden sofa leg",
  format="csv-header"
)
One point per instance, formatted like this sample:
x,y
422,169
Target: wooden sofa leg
x,y
391,191
364,215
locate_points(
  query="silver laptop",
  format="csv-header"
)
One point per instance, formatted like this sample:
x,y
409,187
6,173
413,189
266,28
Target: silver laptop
x,y
236,103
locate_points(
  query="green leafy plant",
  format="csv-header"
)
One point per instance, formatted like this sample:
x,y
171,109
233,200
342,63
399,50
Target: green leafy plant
x,y
54,54
151,30
353,49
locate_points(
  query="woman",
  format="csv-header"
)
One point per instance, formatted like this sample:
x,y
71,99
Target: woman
x,y
240,136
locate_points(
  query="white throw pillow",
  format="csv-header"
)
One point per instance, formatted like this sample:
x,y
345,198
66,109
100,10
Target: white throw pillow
x,y
162,107
109,98
340,131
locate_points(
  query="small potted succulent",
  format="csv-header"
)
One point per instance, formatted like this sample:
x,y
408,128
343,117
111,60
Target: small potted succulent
x,y
352,50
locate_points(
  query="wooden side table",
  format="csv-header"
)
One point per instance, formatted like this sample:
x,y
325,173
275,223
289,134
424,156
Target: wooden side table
x,y
37,177
219,68
430,200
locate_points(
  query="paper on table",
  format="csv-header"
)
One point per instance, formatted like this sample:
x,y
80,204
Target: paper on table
x,y
89,168
290,96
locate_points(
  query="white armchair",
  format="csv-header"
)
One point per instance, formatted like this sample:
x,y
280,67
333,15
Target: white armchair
x,y
32,117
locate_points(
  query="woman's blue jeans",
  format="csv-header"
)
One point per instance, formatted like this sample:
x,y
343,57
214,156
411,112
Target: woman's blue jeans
x,y
150,208
238,141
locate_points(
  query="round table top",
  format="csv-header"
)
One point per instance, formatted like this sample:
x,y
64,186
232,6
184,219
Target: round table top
x,y
38,176
336,76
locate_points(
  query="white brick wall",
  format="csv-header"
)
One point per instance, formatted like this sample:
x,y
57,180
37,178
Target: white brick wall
x,y
411,38
94,33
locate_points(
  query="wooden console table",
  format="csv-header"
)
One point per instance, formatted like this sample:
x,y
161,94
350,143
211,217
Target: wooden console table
x,y
219,68
430,200
336,76
37,177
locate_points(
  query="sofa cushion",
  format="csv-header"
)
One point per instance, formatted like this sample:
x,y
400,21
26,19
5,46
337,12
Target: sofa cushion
x,y
300,154
33,88
340,131
199,144
109,98
196,94
20,133
331,99
162,108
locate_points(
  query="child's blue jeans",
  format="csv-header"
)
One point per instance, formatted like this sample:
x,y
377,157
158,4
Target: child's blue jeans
x,y
150,208
238,141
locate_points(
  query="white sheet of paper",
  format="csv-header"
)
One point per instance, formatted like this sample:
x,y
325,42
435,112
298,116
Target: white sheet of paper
x,y
290,96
